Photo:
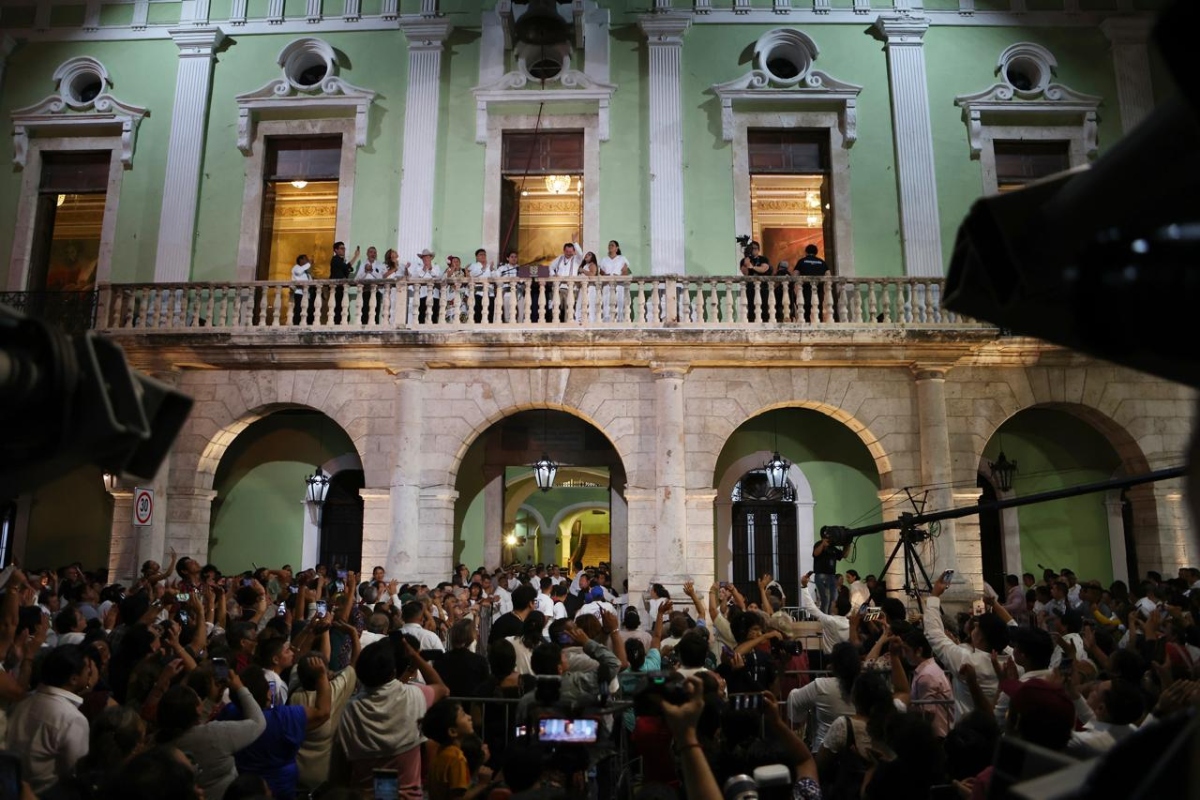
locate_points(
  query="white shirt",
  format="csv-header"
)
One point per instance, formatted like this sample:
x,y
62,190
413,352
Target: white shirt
x,y
564,266
301,272
370,271
505,596
417,272
50,734
953,656
823,695
613,266
859,594
560,611
428,639
834,629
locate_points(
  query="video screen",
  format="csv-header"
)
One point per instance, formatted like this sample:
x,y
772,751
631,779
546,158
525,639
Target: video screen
x,y
570,731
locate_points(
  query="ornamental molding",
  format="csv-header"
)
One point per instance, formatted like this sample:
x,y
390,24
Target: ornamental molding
x,y
72,112
804,89
1034,101
518,86
329,96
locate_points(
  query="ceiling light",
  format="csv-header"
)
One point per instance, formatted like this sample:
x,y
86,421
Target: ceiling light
x,y
299,184
558,184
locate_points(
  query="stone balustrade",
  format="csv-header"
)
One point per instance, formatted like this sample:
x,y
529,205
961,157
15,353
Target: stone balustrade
x,y
626,302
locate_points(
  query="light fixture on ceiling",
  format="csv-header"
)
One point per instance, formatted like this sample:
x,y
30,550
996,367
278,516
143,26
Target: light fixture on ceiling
x,y
558,184
777,468
813,199
544,469
814,220
511,540
317,487
1003,471
62,198
299,184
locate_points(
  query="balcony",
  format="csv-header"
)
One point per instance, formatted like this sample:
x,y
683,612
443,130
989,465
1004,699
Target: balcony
x,y
628,304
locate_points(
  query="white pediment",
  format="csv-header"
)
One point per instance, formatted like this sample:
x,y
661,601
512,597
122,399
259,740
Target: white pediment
x,y
1002,104
63,115
328,96
815,89
519,87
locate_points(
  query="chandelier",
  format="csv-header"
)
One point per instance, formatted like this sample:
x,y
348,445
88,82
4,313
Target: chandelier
x,y
299,184
558,184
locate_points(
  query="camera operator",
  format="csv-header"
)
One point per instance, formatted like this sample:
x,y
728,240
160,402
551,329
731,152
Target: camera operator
x,y
754,265
576,688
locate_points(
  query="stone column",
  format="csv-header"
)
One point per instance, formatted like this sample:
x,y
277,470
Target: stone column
x,y
1010,526
1162,535
671,468
404,542
436,559
310,536
185,152
377,526
123,560
641,505
187,525
426,37
1131,63
618,527
912,133
1116,535
493,515
701,563
664,37
936,471
963,539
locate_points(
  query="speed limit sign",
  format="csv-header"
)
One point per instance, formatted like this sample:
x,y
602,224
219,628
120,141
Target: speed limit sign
x,y
143,507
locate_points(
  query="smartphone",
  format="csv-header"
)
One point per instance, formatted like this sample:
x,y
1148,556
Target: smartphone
x,y
872,614
387,784
948,576
220,669
293,589
282,609
10,775
182,597
978,608
183,617
520,731
572,731
322,608
247,581
1066,666
341,573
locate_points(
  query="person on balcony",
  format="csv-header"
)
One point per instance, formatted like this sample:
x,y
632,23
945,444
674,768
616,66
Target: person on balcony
x,y
811,266
371,270
565,266
302,273
481,270
341,270
614,264
429,299
755,265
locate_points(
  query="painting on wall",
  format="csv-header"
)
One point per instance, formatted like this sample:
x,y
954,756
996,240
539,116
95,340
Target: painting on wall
x,y
72,266
788,243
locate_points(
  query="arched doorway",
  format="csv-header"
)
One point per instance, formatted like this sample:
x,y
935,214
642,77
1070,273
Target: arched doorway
x,y
501,516
340,542
765,535
259,515
1055,448
834,481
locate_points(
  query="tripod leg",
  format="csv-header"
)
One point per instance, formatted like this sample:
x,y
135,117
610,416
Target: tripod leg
x,y
912,560
887,565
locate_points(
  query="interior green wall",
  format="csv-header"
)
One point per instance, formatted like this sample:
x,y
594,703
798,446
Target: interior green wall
x,y
143,75
715,54
962,60
258,512
458,198
468,508
1053,450
70,519
839,468
375,60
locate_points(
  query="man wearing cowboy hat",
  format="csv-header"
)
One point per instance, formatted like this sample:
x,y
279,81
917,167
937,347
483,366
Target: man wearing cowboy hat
x,y
426,271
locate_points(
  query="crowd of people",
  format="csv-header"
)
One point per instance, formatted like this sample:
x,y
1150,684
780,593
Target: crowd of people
x,y
531,680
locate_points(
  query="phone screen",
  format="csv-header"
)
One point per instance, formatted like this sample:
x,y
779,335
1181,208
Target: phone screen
x,y
183,618
387,784
220,669
948,576
571,731
247,581
282,609
322,608
746,702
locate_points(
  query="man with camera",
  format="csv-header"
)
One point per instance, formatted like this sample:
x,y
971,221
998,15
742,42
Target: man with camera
x,y
754,265
826,554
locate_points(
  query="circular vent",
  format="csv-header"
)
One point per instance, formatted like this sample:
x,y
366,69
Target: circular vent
x,y
313,75
783,68
1027,68
545,69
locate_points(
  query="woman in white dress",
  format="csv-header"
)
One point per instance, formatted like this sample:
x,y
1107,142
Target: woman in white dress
x,y
614,264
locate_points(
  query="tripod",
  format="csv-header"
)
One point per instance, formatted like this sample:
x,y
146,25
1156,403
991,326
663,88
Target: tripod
x,y
909,537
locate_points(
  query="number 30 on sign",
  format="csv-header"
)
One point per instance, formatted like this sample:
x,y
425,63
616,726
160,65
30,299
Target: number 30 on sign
x,y
143,507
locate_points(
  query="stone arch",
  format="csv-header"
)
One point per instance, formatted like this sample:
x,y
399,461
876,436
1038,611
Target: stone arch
x,y
205,468
882,459
1133,461
466,438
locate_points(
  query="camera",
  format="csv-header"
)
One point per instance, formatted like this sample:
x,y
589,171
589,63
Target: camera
x,y
746,787
838,535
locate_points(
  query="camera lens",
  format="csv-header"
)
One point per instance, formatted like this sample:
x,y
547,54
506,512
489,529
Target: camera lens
x,y
740,787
